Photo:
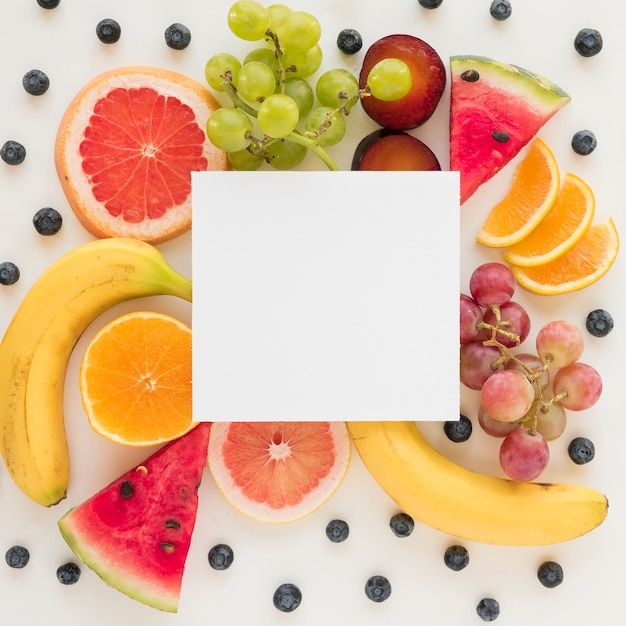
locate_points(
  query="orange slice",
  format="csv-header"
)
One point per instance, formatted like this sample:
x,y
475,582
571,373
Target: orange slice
x,y
566,222
585,263
535,187
135,379
126,147
278,472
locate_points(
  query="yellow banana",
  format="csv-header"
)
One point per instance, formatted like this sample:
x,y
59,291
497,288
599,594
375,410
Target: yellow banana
x,y
460,502
38,342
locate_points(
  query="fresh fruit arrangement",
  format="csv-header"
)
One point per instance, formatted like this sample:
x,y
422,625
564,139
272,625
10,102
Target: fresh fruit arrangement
x,y
523,396
545,224
37,345
277,114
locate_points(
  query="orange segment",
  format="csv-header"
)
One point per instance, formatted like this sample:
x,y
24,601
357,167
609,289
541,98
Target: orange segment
x,y
534,190
566,222
135,379
586,262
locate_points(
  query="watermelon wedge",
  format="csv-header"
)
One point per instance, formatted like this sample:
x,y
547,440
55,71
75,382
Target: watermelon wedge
x,y
495,110
135,533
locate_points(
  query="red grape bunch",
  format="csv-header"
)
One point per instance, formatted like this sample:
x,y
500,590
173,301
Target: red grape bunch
x,y
523,395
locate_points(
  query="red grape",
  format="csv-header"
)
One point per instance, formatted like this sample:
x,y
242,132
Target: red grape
x,y
470,315
524,454
492,283
507,395
559,343
518,323
478,363
525,361
581,385
494,428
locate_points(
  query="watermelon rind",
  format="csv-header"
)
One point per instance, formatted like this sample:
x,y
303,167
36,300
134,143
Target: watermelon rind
x,y
505,98
138,543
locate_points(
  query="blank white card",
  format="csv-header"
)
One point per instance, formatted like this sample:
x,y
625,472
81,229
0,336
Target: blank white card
x,y
325,296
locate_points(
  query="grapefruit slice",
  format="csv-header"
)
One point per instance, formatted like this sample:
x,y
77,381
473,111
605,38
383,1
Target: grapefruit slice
x,y
278,472
125,150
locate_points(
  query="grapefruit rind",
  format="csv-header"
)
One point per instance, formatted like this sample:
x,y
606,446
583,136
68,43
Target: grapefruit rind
x,y
75,183
505,98
539,246
509,230
234,490
561,268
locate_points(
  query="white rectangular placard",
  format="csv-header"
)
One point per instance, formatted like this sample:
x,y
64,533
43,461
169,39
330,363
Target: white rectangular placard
x,y
325,296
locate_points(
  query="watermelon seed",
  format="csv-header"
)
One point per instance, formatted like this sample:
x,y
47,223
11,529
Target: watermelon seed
x,y
168,548
172,523
500,136
126,490
471,76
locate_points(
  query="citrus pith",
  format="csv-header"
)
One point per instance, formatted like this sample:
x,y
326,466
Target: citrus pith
x,y
126,147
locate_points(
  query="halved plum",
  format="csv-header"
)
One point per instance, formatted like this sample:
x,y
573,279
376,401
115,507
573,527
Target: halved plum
x,y
429,80
387,149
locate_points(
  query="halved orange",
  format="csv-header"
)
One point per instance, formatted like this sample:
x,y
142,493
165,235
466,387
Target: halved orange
x,y
135,379
585,263
564,225
535,187
126,147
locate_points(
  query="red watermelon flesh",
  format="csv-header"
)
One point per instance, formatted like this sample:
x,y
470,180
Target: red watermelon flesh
x,y
135,533
495,110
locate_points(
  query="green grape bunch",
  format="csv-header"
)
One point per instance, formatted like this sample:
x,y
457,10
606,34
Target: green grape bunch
x,y
276,115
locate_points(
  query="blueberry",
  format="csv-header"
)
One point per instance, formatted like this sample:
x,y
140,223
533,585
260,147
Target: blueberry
x,y
550,574
337,530
17,557
500,10
48,4
430,4
581,450
108,30
377,588
459,430
221,556
456,557
584,142
488,609
12,152
68,573
599,323
402,524
588,42
349,41
35,82
9,273
287,597
47,221
177,36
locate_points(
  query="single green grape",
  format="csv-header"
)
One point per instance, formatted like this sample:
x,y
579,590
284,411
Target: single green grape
x,y
229,129
277,13
298,30
302,63
335,87
302,92
329,123
285,155
256,81
244,161
248,20
278,115
390,79
218,66
263,55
